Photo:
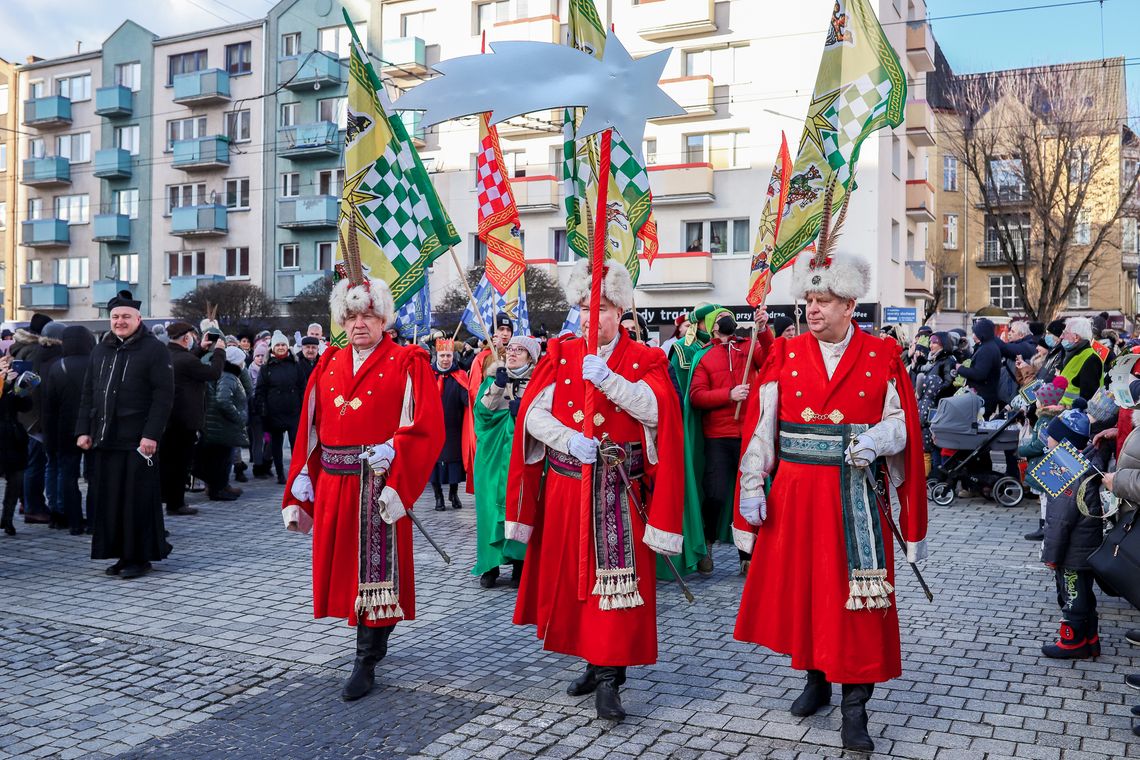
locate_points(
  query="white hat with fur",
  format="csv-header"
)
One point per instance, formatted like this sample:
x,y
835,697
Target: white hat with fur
x,y
373,295
617,285
847,277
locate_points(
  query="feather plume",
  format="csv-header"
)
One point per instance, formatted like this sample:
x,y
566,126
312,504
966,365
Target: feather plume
x,y
823,243
350,252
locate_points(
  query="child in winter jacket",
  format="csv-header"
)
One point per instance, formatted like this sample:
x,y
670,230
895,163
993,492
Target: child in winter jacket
x,y
1033,448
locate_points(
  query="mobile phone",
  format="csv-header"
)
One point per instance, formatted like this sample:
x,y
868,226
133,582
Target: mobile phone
x,y
21,366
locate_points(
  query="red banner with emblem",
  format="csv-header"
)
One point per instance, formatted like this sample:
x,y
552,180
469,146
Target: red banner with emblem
x,y
498,214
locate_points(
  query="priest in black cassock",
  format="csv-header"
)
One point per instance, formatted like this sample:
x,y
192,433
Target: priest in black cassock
x,y
452,382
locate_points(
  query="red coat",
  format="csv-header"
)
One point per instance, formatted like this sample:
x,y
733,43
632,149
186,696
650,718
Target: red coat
x,y
560,559
475,376
721,369
797,586
379,384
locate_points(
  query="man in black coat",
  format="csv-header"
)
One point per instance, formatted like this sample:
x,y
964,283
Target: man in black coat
x,y
127,396
30,346
307,359
59,411
453,384
188,414
984,371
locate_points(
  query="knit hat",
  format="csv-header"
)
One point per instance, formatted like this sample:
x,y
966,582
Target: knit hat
x,y
261,350
1071,425
503,319
779,324
1099,323
1056,327
38,321
1050,394
1037,329
235,356
53,330
177,329
532,346
278,337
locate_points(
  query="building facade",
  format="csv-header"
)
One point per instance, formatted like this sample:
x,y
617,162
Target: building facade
x,y
9,131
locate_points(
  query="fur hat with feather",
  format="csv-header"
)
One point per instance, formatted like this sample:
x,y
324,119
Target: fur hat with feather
x,y
617,285
354,292
848,277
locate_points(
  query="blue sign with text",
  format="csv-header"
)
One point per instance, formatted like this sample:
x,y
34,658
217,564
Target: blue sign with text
x,y
899,315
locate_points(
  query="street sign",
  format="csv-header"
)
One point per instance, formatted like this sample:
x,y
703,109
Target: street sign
x,y
899,315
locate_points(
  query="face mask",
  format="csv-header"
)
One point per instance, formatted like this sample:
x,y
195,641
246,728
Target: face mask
x,y
1068,344
1051,340
726,325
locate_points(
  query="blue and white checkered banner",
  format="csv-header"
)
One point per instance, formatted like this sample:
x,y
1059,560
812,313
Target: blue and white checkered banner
x,y
413,319
491,302
573,323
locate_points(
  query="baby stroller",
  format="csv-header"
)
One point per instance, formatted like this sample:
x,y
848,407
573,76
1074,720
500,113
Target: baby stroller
x,y
957,425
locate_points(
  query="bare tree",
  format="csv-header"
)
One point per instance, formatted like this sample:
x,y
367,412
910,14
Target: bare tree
x,y
239,303
1043,146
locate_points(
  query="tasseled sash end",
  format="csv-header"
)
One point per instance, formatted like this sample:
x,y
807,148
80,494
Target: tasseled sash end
x,y
378,601
869,590
617,590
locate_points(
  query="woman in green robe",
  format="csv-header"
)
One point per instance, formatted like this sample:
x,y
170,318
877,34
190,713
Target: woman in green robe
x,y
495,411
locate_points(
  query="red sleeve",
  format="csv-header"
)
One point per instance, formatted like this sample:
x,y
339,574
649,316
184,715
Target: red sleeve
x,y
912,491
417,444
748,427
667,477
307,422
763,347
702,394
524,480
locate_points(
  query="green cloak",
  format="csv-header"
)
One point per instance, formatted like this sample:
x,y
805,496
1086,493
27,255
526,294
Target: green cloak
x,y
495,431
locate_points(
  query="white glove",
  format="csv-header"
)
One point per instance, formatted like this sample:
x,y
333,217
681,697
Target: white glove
x,y
754,509
595,370
380,458
861,452
583,449
302,488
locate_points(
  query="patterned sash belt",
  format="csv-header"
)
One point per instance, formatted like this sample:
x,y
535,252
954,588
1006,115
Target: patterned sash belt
x,y
826,445
565,464
341,460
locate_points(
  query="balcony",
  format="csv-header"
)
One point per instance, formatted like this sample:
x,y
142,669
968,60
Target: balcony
x,y
990,254
694,94
920,123
311,71
538,124
672,19
114,102
920,46
45,233
536,195
112,228
292,284
681,183
103,291
199,221
113,163
202,87
1129,262
45,172
319,139
44,297
919,279
187,284
406,58
203,153
45,113
919,200
678,271
413,122
310,212
1011,194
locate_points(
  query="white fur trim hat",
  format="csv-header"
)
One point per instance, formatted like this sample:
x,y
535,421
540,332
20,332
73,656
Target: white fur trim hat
x,y
1080,326
373,295
617,286
848,277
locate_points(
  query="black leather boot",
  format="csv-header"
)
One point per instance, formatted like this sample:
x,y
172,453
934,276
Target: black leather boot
x,y
516,572
607,701
853,731
1037,535
453,496
438,489
816,694
371,646
487,579
585,683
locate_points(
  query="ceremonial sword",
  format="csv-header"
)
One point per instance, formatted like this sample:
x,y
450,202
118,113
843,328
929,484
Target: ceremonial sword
x,y
886,512
367,451
614,455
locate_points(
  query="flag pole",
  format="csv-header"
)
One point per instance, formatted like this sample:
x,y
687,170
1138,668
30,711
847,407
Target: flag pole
x,y
470,294
597,261
748,362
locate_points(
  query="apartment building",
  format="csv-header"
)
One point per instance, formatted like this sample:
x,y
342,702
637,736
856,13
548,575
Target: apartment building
x,y
9,129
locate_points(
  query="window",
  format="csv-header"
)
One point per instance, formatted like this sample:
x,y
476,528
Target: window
x,y
35,209
75,209
950,292
896,157
3,99
237,193
1018,230
289,114
36,89
35,270
728,150
1003,292
3,214
416,24
1079,294
336,39
185,63
239,58
330,182
514,162
1079,167
290,185
178,196
1131,173
649,150
237,125
290,256
184,129
326,255
694,237
1129,237
185,263
125,266
726,65
36,148
724,236
1083,233
334,110
290,44
127,138
75,88
72,272
129,75
950,173
237,262
1005,180
75,148
485,17
561,247
126,202
3,157
694,149
950,232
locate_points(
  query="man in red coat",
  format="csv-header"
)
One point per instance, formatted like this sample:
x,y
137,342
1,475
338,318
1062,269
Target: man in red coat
x,y
589,580
371,411
832,403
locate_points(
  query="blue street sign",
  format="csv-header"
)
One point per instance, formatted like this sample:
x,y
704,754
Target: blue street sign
x,y
899,315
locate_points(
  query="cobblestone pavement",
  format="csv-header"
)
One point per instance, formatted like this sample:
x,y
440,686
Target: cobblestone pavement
x,y
215,655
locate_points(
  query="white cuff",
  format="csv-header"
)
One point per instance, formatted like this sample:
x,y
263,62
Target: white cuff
x,y
517,531
391,508
743,539
916,551
662,542
294,514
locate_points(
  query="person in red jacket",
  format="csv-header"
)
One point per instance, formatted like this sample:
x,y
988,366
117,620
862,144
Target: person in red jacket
x,y
721,381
